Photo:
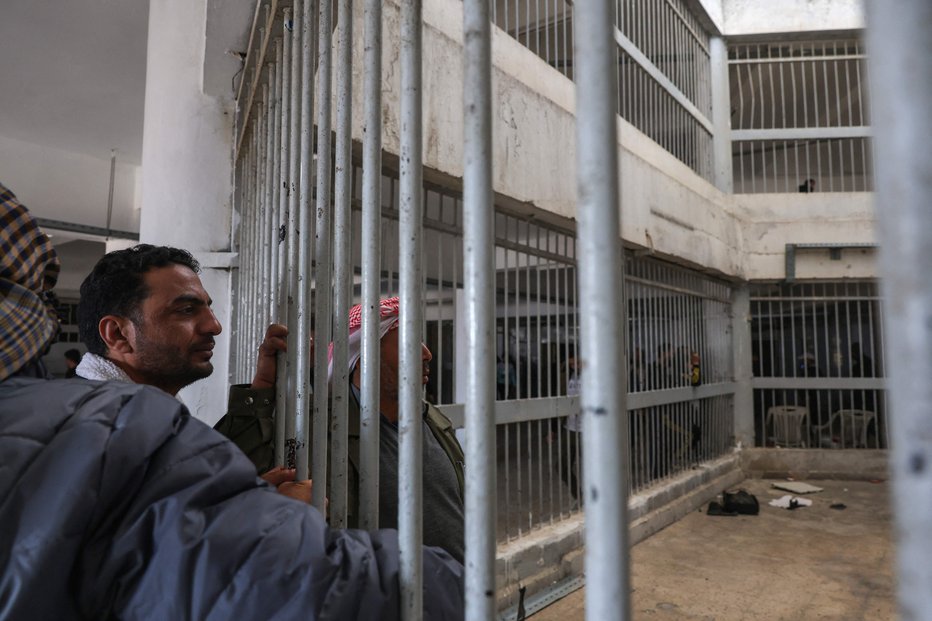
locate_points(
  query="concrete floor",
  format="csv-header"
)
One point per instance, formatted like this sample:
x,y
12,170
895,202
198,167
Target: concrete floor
x,y
810,563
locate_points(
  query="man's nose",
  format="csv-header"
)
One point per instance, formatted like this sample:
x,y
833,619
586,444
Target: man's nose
x,y
426,356
211,325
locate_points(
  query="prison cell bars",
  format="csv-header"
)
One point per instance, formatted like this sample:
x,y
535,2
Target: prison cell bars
x,y
342,261
525,273
283,430
300,320
902,97
371,267
296,397
605,427
668,100
843,387
410,246
801,114
479,272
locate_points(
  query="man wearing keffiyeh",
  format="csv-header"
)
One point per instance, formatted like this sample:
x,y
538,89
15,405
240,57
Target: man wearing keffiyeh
x,y
443,483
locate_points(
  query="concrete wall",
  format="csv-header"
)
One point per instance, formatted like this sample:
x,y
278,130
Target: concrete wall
x,y
665,207
774,220
752,17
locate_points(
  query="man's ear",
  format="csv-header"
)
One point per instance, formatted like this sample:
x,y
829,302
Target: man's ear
x,y
118,334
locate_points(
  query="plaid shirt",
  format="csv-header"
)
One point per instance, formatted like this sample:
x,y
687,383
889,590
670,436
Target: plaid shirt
x,y
29,269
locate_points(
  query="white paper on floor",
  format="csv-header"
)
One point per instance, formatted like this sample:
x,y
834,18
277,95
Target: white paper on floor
x,y
797,487
784,502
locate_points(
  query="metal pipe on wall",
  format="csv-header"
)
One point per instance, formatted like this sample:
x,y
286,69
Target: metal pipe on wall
x,y
342,261
602,317
902,97
479,283
302,322
323,274
410,233
368,509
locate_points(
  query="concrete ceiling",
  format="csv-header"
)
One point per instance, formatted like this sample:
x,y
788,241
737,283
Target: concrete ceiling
x,y
74,74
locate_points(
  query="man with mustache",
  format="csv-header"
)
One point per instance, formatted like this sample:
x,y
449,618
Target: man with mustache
x,y
146,318
443,459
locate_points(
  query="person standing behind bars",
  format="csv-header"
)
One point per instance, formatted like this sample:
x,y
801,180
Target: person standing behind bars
x,y
444,474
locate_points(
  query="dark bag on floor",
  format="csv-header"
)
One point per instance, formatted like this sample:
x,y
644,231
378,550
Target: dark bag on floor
x,y
740,502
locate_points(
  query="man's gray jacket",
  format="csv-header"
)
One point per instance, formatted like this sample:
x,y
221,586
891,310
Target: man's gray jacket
x,y
116,503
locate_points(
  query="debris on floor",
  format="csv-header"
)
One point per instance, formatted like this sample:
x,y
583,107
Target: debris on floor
x,y
716,508
838,506
740,501
735,502
790,502
797,487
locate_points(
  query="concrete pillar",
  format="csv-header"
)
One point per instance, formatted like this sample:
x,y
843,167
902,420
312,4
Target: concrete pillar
x,y
721,114
741,346
187,171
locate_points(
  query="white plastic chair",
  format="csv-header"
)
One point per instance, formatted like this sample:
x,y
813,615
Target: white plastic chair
x,y
854,424
790,424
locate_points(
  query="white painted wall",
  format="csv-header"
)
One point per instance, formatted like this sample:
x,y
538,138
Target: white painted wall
x,y
752,17
774,220
713,10
187,171
73,187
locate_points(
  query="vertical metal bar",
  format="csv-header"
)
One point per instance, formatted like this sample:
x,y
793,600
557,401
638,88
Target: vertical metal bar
x,y
439,249
411,295
342,271
902,97
244,280
269,205
368,509
244,234
275,186
238,206
323,294
528,387
603,383
248,184
283,429
303,65
256,254
294,208
247,230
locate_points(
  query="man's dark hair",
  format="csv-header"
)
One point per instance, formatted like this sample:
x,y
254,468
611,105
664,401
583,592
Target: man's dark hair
x,y
115,287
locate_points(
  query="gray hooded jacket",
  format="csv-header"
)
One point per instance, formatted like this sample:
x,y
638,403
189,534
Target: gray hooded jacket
x,y
116,503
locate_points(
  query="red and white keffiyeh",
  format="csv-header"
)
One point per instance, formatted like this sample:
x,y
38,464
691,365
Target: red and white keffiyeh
x,y
389,315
